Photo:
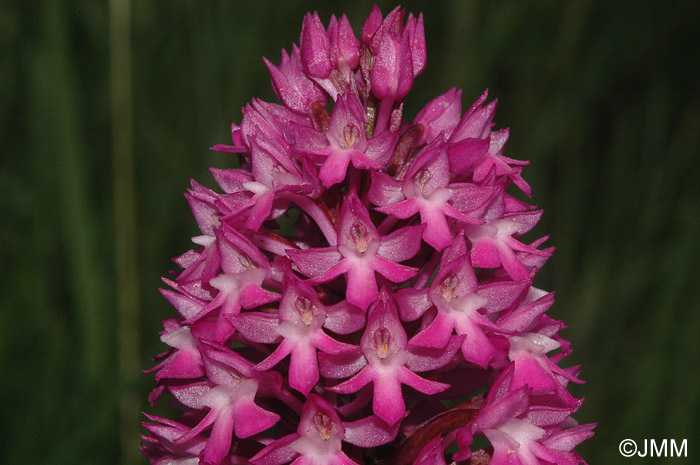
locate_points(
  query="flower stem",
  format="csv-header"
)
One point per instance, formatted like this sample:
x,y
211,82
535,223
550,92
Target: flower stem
x,y
440,424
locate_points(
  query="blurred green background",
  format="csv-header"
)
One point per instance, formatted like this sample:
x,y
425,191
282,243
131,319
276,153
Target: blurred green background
x,y
107,109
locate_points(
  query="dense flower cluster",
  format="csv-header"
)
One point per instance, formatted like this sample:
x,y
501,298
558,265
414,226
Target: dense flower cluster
x,y
361,277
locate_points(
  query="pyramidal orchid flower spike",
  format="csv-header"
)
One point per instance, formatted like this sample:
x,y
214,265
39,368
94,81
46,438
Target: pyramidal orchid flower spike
x,y
361,277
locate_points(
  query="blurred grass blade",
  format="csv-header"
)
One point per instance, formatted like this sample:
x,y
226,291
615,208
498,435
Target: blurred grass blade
x,y
62,113
125,225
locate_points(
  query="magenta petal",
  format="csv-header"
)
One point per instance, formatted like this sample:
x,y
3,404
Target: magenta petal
x,y
346,121
303,368
528,371
282,350
512,265
437,334
421,384
388,401
327,344
501,295
334,168
230,180
253,296
305,460
260,211
308,140
510,405
205,423
186,306
249,419
257,326
355,383
425,359
315,47
362,161
344,45
485,254
437,231
220,438
183,364
417,38
291,85
430,169
279,452
191,394
224,148
344,318
526,315
202,203
384,189
440,115
341,459
380,147
476,123
546,415
471,199
392,68
169,429
466,153
393,271
401,244
412,303
239,253
370,431
231,365
371,26
404,209
314,262
476,346
362,285
570,438
337,366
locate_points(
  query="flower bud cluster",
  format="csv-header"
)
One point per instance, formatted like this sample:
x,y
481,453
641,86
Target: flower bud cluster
x,y
361,291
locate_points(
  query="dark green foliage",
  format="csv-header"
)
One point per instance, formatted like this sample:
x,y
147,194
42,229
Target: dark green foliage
x,y
603,98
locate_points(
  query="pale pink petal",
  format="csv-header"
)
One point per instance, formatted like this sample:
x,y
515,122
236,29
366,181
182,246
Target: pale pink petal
x,y
401,244
393,271
370,431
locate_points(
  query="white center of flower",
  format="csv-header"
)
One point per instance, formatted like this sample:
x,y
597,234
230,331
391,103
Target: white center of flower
x,y
382,341
360,236
448,287
324,425
278,169
421,178
305,308
350,135
246,262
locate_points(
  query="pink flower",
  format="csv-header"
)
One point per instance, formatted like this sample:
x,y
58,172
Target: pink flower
x,y
358,272
462,304
228,395
292,86
361,252
426,189
386,363
301,320
320,435
509,419
344,142
345,47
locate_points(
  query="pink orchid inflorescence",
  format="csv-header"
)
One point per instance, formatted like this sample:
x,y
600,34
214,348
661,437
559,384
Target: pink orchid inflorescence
x,y
360,292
